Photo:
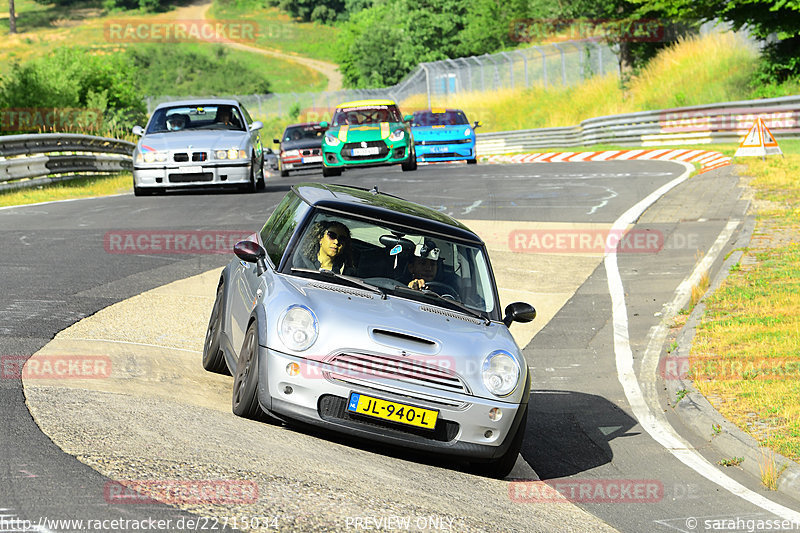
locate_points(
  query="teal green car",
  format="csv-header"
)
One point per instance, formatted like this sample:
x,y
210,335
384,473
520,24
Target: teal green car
x,y
367,133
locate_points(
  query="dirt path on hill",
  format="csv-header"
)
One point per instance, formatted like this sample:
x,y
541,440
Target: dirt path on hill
x,y
199,11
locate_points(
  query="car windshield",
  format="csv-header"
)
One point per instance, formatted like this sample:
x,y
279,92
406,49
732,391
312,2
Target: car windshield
x,y
200,117
353,116
439,118
297,133
394,259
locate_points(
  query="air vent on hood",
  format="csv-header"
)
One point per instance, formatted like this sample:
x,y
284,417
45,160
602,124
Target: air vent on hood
x,y
343,290
450,314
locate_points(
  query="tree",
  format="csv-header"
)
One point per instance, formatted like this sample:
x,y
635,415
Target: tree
x,y
12,18
775,22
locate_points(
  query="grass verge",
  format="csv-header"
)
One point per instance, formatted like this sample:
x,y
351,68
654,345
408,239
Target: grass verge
x,y
84,187
752,322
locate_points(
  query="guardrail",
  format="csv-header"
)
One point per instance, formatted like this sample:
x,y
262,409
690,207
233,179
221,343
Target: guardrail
x,y
707,124
39,159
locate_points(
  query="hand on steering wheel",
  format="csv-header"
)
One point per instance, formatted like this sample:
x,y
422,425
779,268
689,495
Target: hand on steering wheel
x,y
442,289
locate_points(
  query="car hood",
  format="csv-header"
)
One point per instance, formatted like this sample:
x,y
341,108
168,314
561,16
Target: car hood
x,y
300,144
200,139
432,133
366,132
353,320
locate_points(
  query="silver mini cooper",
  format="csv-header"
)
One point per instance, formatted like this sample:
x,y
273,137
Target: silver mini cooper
x,y
376,317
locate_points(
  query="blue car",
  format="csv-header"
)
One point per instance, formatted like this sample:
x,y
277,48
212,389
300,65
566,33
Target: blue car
x,y
443,135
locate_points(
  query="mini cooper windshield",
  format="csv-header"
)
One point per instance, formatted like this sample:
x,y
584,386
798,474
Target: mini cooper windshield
x,y
367,114
397,261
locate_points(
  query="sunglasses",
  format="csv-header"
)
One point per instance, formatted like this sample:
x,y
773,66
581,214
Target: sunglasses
x,y
341,237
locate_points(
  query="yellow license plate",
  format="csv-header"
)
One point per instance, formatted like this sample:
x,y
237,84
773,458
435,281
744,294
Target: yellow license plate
x,y
392,411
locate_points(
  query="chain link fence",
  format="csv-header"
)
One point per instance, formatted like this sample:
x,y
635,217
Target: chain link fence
x,y
558,64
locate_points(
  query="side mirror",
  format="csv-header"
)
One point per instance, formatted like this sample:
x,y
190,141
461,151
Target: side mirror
x,y
276,141
477,125
257,125
408,118
519,312
251,252
138,130
324,125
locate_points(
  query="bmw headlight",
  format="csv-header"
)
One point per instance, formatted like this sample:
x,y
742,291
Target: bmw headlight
x,y
500,373
232,153
330,140
298,327
152,157
397,135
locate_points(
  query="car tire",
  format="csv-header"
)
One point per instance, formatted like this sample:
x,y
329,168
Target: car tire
x,y
261,184
245,380
213,358
284,173
472,161
250,186
411,163
502,466
328,172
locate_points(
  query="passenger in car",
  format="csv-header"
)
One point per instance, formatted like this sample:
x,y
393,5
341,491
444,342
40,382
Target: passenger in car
x,y
327,246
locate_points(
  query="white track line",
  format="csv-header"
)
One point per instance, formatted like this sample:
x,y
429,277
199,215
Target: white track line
x,y
659,429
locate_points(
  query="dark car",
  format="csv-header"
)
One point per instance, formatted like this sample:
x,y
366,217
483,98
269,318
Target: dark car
x,y
327,317
300,147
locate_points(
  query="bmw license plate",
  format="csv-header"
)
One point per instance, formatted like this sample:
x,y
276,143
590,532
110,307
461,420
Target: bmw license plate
x,y
392,411
313,159
369,150
189,169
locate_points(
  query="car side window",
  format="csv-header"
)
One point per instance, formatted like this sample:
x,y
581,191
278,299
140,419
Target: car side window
x,y
281,225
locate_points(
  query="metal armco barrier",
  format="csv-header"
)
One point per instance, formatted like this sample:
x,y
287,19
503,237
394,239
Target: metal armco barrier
x,y
38,159
708,124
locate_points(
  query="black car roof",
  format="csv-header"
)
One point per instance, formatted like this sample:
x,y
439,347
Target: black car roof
x,y
383,207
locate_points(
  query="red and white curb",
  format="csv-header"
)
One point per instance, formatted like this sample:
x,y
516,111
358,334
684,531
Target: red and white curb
x,y
708,160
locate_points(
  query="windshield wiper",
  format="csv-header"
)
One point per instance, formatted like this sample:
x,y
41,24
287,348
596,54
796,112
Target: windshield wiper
x,y
353,281
449,301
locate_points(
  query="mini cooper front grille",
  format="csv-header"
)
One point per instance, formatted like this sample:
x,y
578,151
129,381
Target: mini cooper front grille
x,y
334,408
371,367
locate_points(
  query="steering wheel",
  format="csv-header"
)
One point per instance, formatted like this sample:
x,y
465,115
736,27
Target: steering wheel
x,y
443,289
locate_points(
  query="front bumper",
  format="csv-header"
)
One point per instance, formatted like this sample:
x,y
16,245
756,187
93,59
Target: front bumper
x,y
391,153
445,152
463,427
191,175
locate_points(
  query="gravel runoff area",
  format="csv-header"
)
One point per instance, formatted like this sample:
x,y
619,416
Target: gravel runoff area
x,y
159,416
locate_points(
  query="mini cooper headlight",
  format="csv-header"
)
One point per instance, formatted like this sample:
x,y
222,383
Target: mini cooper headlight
x,y
500,373
298,328
330,140
397,135
467,132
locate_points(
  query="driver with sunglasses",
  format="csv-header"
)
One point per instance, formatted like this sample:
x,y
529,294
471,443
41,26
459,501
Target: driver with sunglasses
x,y
327,247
